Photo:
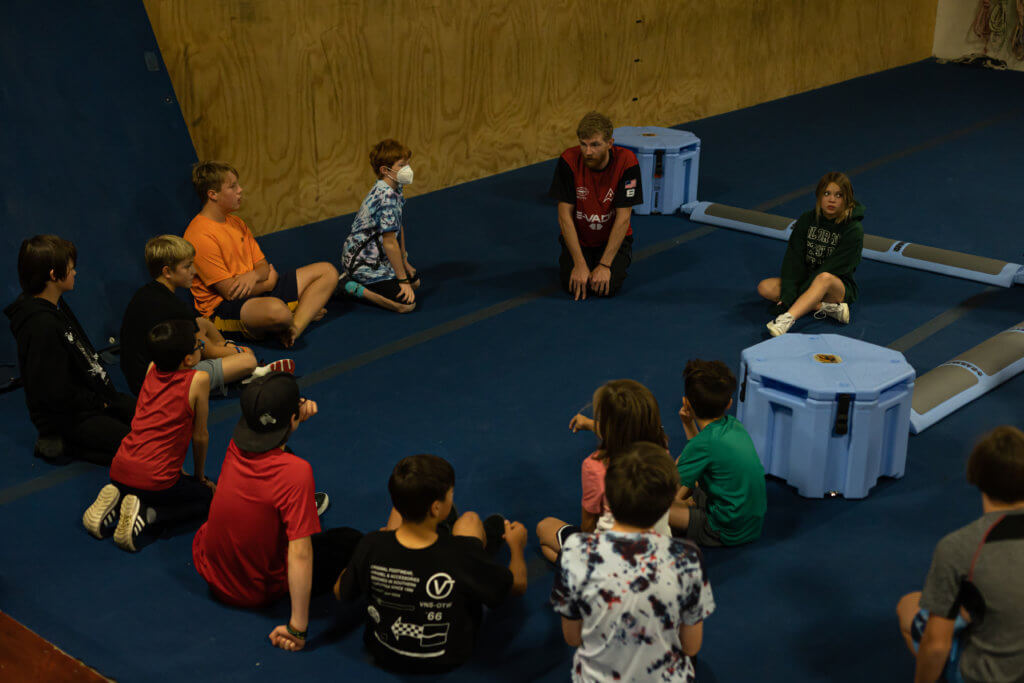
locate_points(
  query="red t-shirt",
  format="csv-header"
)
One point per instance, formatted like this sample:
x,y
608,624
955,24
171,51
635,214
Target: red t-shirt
x,y
263,501
151,456
596,194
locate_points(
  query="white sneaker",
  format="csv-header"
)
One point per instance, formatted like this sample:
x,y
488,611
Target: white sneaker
x,y
131,523
101,517
781,324
840,312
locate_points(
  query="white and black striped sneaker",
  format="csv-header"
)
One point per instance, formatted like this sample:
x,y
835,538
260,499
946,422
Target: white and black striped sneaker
x,y
130,525
100,518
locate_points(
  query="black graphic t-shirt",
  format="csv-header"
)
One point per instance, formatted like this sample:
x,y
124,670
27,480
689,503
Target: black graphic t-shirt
x,y
423,605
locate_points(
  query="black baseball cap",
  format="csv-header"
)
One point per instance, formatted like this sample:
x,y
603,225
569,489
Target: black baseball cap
x,y
268,404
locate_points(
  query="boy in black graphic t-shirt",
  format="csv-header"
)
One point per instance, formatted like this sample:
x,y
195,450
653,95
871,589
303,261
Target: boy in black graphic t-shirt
x,y
596,185
425,589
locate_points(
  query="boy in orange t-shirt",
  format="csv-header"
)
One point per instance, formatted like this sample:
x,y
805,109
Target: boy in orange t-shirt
x,y
235,286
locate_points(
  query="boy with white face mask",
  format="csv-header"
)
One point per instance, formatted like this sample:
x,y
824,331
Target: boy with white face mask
x,y
374,263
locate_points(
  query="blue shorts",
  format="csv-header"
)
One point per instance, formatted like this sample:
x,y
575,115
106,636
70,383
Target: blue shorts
x,y
227,317
952,672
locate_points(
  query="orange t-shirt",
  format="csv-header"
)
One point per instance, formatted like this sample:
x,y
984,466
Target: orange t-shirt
x,y
223,250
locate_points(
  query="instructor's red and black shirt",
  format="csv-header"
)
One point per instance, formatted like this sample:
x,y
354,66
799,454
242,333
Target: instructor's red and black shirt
x,y
596,194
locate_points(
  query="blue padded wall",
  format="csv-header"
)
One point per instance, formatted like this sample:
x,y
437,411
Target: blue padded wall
x,y
94,148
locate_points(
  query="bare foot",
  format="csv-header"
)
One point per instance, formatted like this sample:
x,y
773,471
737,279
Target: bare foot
x,y
320,315
288,336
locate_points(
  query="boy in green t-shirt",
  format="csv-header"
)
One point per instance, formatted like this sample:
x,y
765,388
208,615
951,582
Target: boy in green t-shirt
x,y
721,499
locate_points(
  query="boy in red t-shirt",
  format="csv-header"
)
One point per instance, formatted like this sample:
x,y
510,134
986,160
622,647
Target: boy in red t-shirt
x,y
146,474
262,539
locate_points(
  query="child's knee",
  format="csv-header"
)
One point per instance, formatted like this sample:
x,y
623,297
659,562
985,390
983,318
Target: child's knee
x,y
469,519
279,316
325,269
827,279
768,289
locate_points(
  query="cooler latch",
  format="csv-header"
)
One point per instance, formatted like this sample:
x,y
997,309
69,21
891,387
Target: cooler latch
x,y
843,413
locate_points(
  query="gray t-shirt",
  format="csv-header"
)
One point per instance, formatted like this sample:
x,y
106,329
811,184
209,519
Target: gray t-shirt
x,y
994,647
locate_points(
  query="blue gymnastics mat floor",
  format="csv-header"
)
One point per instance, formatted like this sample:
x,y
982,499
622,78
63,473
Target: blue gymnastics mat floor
x,y
490,369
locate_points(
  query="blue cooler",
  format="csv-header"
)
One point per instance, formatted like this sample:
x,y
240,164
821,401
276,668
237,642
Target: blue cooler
x,y
827,413
669,162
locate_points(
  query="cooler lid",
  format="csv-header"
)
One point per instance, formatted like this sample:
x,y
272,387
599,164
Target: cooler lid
x,y
825,365
653,138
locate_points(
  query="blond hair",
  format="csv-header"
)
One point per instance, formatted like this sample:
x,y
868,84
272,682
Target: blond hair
x,y
167,250
593,123
210,175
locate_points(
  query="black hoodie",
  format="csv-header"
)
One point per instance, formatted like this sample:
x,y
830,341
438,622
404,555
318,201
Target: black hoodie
x,y
62,374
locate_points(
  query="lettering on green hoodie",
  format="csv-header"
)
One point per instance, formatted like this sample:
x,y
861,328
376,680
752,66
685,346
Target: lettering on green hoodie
x,y
822,246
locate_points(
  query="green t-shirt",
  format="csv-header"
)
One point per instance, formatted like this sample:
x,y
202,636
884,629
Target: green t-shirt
x,y
723,460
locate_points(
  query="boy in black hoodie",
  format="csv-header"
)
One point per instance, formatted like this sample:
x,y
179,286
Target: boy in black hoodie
x,y
70,397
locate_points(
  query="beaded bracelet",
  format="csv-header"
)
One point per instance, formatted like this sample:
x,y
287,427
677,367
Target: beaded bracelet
x,y
301,635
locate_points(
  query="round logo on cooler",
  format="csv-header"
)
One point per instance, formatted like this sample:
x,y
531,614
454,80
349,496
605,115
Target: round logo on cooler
x,y
374,614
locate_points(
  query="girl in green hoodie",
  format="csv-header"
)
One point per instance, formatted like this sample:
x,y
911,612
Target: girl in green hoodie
x,y
823,253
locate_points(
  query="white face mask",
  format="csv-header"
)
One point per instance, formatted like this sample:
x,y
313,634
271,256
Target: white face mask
x,y
404,175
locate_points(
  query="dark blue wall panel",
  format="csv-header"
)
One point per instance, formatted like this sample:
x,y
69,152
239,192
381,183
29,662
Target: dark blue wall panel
x,y
93,147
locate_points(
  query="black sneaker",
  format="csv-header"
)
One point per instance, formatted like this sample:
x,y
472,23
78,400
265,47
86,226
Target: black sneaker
x,y
494,531
131,524
101,517
323,501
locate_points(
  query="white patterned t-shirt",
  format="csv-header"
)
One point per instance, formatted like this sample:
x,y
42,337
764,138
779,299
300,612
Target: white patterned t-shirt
x,y
633,592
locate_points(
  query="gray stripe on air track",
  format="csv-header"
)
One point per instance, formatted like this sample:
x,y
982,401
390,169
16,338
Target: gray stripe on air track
x,y
17,491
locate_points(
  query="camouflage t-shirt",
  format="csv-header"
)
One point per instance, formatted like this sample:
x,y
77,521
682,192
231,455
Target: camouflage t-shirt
x,y
363,257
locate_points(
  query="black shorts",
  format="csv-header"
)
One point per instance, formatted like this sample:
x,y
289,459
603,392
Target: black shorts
x,y
389,289
700,530
227,317
592,255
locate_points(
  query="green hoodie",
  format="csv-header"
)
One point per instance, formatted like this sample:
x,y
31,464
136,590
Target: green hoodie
x,y
822,246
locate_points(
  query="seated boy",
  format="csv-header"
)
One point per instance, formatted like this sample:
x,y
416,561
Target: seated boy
x,y
236,287
633,601
170,262
968,622
146,473
425,589
69,395
263,539
375,266
722,499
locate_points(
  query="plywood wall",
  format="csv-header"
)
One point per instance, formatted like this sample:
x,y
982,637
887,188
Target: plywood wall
x,y
294,92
